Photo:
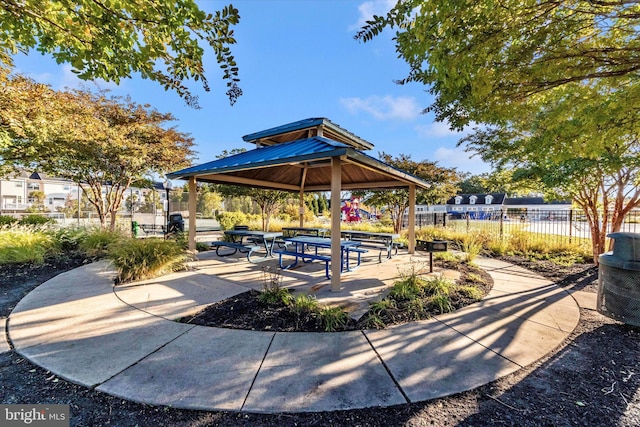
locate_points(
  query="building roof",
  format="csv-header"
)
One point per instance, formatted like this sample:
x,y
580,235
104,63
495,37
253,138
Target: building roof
x,y
307,128
481,199
301,165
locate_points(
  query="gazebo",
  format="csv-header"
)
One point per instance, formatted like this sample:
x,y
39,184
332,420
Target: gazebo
x,y
308,155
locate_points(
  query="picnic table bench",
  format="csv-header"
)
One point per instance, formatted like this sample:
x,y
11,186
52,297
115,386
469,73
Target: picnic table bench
x,y
236,246
151,228
375,240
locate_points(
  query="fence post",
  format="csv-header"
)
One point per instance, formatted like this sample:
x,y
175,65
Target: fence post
x,y
501,224
570,225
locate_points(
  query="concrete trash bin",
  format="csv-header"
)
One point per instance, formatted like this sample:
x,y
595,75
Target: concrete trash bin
x,y
619,279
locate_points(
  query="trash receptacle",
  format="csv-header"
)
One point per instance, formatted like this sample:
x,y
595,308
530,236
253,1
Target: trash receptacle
x,y
134,228
176,223
619,279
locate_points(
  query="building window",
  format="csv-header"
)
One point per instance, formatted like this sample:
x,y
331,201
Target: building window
x,y
33,186
19,184
67,188
488,199
472,200
458,200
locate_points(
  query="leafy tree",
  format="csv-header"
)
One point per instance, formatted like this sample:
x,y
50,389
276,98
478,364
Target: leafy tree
x,y
97,141
269,201
585,145
554,83
481,59
37,201
208,201
111,40
397,200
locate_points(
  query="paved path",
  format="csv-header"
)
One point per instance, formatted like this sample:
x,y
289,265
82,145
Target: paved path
x,y
122,342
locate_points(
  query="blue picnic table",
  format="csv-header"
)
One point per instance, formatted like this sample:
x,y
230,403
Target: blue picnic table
x,y
308,249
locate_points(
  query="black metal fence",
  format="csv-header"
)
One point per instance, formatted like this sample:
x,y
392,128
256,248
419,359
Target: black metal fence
x,y
558,226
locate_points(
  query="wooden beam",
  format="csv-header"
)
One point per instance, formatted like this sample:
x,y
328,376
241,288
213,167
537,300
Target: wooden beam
x,y
249,182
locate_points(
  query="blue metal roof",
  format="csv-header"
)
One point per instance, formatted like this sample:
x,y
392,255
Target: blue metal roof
x,y
295,151
278,166
343,134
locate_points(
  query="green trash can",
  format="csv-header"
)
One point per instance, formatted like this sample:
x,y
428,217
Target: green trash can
x,y
134,228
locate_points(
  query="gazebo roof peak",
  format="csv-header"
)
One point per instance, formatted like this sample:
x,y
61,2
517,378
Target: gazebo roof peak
x,y
307,128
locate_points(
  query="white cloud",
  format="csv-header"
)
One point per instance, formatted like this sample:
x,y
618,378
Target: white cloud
x,y
463,161
70,79
370,8
384,108
441,130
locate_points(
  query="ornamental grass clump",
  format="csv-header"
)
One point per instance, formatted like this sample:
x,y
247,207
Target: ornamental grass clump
x,y
414,297
26,244
96,243
137,259
333,319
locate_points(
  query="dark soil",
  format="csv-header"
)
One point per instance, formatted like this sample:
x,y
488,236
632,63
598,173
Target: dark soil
x,y
247,311
593,379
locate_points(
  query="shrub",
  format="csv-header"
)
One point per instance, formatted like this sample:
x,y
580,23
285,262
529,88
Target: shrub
x,y
35,219
7,220
69,238
228,220
136,259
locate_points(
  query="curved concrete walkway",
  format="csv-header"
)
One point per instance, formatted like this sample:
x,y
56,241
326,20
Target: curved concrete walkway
x,y
120,341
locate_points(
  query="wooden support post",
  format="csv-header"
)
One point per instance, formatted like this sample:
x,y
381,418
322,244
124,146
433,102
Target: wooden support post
x,y
336,251
412,219
192,213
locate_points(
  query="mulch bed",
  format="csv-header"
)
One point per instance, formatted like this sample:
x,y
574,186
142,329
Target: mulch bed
x,y
246,311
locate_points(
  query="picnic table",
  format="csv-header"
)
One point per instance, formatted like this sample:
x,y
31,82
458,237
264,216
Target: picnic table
x,y
374,240
247,241
307,248
304,231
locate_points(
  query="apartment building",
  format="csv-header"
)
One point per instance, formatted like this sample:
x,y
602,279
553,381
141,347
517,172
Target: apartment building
x,y
16,192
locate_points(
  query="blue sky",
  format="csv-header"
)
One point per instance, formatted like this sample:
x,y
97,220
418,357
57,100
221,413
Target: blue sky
x,y
297,59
